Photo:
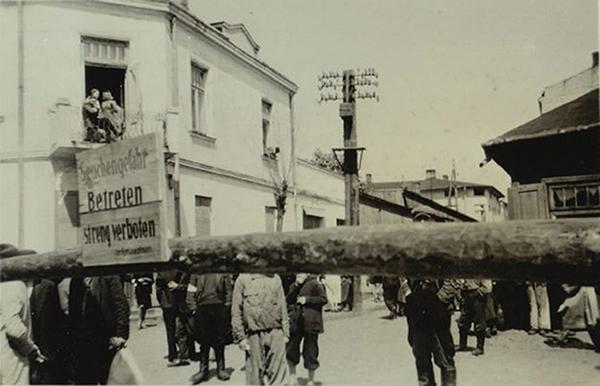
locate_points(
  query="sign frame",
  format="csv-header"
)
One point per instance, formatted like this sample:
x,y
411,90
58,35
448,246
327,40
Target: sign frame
x,y
122,202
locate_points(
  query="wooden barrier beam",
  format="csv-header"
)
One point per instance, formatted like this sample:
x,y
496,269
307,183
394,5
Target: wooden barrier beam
x,y
64,264
560,251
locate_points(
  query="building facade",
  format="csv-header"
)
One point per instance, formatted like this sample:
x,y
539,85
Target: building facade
x,y
481,202
226,116
554,159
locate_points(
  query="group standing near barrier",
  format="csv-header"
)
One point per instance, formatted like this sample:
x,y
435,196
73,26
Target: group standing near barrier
x,y
69,330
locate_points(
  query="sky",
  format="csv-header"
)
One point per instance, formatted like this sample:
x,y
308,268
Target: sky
x,y
453,74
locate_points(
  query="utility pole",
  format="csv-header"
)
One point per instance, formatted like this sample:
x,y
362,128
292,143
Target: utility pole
x,y
351,80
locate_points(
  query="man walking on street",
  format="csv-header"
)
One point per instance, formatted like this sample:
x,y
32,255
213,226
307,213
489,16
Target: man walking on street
x,y
260,325
305,299
474,294
429,309
213,299
171,291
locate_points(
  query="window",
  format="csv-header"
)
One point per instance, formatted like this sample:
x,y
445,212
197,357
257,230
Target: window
x,y
451,192
104,51
311,222
479,191
266,125
105,66
203,215
270,218
584,196
198,84
105,71
340,222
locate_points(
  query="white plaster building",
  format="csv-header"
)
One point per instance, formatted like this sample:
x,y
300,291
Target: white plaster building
x,y
226,115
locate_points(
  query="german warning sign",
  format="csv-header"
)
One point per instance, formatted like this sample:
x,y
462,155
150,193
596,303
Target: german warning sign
x,y
121,202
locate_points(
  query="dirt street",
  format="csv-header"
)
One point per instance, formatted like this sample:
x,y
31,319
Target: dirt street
x,y
369,350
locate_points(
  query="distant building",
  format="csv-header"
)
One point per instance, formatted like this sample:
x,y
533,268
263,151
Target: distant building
x,y
481,202
554,159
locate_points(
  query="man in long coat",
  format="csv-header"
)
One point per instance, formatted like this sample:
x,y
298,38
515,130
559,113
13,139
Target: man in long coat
x,y
428,312
50,333
99,315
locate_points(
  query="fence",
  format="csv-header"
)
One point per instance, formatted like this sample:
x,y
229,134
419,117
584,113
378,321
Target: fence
x,y
562,251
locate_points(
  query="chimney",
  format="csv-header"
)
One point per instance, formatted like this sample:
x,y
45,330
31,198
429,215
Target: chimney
x,y
369,179
595,59
445,177
429,174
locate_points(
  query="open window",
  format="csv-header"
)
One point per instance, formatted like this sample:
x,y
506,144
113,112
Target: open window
x,y
106,79
266,126
105,66
105,71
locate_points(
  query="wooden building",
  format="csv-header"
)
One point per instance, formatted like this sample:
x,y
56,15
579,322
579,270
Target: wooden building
x,y
554,159
554,163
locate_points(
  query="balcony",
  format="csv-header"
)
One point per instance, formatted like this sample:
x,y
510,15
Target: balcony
x,y
70,136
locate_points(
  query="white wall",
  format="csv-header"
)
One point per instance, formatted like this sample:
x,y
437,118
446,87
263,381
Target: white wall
x,y
237,207
233,97
54,68
569,89
320,191
54,64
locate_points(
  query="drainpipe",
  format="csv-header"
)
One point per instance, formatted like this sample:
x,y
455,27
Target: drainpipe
x,y
177,194
293,157
175,104
21,122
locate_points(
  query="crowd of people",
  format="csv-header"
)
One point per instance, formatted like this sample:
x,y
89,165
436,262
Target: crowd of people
x,y
67,331
486,306
276,323
60,331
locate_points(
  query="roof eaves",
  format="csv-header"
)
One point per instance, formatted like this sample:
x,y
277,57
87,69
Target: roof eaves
x,y
216,37
547,133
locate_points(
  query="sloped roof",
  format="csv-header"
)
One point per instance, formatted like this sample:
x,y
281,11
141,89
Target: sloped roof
x,y
430,184
434,207
579,114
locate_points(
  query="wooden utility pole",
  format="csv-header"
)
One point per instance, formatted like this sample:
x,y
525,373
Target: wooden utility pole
x,y
351,151
348,115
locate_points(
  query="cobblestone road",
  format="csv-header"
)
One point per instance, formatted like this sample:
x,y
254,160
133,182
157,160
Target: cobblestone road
x,y
368,350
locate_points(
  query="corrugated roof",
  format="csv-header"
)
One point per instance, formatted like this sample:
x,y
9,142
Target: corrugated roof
x,y
579,114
